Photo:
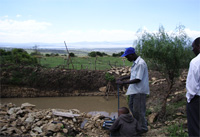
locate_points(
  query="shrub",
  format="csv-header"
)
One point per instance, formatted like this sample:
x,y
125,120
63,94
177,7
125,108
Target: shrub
x,y
109,77
167,54
177,131
71,54
117,54
17,57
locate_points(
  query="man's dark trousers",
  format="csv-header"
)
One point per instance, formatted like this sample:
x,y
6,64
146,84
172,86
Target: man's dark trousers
x,y
193,117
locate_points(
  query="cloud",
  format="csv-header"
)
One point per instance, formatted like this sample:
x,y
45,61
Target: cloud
x,y
34,31
101,35
13,26
193,34
18,15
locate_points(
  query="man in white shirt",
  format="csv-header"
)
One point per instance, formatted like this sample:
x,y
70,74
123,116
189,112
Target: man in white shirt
x,y
193,92
138,87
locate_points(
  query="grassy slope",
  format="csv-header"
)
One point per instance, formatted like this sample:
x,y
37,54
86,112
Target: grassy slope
x,y
102,63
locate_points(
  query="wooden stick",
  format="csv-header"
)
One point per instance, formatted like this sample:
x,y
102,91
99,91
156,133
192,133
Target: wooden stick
x,y
68,56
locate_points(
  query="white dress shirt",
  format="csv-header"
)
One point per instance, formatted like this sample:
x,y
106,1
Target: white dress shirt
x,y
193,79
139,70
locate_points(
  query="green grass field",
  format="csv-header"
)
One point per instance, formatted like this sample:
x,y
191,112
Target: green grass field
x,y
91,63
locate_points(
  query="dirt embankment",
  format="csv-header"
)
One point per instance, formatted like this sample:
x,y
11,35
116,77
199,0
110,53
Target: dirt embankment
x,y
40,82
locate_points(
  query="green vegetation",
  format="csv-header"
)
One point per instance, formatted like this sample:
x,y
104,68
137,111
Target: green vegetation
x,y
172,108
91,63
176,131
71,54
117,54
16,57
95,54
168,54
109,77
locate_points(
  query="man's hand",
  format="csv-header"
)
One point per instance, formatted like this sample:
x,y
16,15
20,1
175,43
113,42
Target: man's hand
x,y
119,82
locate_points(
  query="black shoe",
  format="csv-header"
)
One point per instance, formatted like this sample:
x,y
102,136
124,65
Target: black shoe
x,y
142,131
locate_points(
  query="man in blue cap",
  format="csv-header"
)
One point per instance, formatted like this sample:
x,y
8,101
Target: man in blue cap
x,y
138,87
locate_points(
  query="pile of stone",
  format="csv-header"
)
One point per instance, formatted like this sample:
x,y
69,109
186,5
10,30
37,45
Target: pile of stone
x,y
121,71
29,121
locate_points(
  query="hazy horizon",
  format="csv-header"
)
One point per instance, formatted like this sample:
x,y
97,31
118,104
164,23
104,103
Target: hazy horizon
x,y
103,21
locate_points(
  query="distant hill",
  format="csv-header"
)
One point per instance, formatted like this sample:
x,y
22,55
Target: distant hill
x,y
75,45
79,48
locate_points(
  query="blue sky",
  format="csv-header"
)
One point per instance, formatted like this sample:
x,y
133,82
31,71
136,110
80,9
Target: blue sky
x,y
55,21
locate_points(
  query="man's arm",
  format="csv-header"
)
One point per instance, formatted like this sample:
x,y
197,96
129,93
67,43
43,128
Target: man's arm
x,y
124,77
132,81
120,82
115,126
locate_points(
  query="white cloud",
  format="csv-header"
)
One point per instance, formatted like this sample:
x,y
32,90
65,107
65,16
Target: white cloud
x,y
33,31
13,26
94,35
18,15
193,34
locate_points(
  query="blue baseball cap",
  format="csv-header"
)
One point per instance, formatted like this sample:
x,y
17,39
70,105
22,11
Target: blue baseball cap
x,y
128,51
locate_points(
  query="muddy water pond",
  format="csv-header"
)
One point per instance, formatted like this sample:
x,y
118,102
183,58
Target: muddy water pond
x,y
89,104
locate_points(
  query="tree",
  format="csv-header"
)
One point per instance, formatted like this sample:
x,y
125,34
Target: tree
x,y
17,56
117,54
167,54
99,54
92,54
35,51
71,54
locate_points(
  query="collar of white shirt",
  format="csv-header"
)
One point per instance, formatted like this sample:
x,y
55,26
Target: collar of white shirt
x,y
137,60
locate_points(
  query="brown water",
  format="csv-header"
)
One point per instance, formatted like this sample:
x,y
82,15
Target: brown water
x,y
87,104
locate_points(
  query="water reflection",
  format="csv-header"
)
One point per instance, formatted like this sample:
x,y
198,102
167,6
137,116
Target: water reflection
x,y
106,114
90,104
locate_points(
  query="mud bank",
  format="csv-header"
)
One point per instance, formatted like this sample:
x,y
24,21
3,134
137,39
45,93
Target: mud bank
x,y
41,82
8,91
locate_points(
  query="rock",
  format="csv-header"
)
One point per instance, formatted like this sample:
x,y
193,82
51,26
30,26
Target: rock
x,y
23,129
102,89
20,112
151,117
48,117
3,128
27,105
3,113
52,127
74,119
59,135
75,111
88,115
10,105
39,123
30,119
153,78
117,72
19,122
13,124
179,114
11,111
96,117
33,134
65,130
168,100
13,117
38,129
14,129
